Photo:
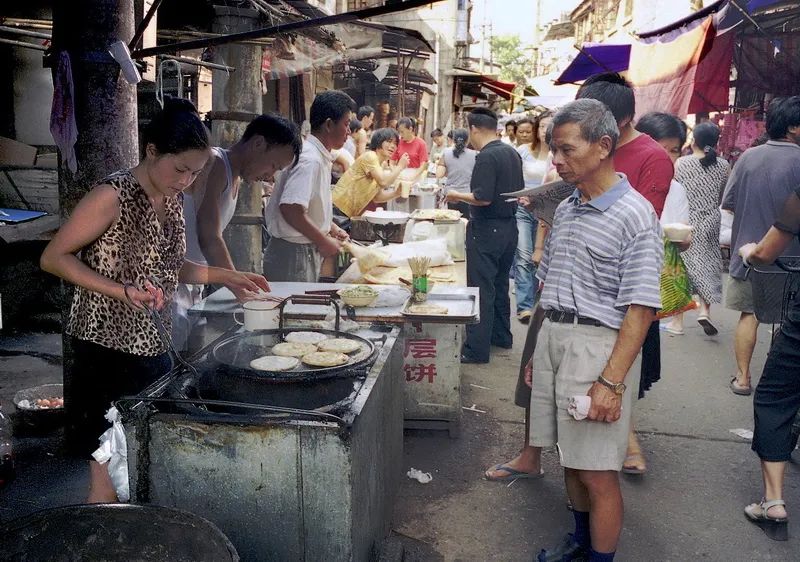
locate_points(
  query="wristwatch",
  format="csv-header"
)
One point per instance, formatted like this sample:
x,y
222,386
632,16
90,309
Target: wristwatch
x,y
617,388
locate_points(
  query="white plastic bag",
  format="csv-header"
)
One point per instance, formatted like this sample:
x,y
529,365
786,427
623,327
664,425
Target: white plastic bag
x,y
435,249
113,452
725,227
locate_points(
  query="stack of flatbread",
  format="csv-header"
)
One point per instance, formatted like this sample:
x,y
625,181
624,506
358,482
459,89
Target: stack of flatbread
x,y
311,348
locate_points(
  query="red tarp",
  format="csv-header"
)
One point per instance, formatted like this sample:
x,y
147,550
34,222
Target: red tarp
x,y
668,74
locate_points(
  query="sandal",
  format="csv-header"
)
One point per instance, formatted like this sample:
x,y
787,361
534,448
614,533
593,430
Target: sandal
x,y
736,388
708,327
776,528
634,463
511,474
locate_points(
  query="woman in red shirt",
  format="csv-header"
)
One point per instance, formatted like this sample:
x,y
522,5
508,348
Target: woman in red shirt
x,y
412,145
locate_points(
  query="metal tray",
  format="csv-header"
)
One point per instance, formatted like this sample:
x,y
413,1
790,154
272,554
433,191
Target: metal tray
x,y
462,309
419,215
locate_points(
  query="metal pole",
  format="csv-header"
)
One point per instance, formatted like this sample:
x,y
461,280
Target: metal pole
x,y
143,24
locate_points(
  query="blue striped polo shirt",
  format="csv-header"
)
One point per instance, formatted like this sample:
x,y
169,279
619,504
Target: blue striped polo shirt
x,y
603,255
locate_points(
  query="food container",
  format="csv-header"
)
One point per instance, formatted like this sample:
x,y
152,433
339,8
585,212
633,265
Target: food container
x,y
677,232
38,419
358,296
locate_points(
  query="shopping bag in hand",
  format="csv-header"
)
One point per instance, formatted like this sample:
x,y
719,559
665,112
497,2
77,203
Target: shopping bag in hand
x,y
676,292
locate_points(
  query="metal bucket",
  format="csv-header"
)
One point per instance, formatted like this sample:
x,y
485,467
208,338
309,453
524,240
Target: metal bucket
x,y
114,532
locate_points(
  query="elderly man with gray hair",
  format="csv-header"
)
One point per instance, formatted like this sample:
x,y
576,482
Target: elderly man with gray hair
x,y
601,269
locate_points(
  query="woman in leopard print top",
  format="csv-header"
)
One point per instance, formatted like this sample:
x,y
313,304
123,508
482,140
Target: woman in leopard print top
x,y
128,230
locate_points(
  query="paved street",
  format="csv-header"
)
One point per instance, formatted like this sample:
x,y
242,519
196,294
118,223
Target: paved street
x,y
688,506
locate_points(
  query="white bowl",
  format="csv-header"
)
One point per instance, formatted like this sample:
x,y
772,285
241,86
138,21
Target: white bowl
x,y
677,232
386,217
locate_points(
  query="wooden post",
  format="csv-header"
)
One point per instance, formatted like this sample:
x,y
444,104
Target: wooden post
x,y
239,91
105,112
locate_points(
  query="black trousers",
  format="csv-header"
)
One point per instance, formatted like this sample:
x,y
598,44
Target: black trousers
x,y
101,376
491,244
777,397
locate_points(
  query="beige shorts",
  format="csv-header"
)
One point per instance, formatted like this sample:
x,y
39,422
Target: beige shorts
x,y
739,295
567,360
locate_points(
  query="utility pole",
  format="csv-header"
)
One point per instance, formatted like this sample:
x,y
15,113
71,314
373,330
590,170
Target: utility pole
x,y
105,113
239,91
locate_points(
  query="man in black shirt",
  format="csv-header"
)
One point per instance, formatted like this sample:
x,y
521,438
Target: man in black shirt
x,y
491,234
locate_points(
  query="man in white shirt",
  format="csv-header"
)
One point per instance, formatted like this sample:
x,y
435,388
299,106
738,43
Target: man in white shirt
x,y
299,216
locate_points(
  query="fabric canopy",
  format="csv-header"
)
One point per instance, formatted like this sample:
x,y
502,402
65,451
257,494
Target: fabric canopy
x,y
594,58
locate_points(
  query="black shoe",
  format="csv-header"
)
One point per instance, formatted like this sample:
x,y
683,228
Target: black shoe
x,y
567,551
466,359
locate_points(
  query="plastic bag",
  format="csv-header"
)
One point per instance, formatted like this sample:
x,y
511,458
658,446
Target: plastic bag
x,y
676,292
113,451
435,249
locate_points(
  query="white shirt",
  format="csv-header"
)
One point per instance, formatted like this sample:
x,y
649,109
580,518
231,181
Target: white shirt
x,y
533,169
676,206
307,184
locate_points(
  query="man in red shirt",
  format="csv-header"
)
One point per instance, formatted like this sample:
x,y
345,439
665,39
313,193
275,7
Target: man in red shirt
x,y
649,170
643,160
412,145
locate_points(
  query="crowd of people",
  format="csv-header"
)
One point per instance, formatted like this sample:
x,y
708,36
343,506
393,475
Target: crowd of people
x,y
588,285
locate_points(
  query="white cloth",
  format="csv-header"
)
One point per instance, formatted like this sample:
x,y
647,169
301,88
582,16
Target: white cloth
x,y
533,169
676,206
725,227
350,146
578,407
343,154
307,184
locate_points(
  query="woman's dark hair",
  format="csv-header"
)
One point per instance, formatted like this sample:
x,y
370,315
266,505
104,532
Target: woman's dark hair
x,y
277,131
355,125
176,128
659,126
437,132
331,104
613,90
460,139
381,136
513,123
408,123
706,137
782,113
546,114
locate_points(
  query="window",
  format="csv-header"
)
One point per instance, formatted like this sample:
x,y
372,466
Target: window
x,y
361,4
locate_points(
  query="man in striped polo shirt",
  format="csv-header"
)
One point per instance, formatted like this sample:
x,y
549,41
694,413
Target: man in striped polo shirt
x,y
600,269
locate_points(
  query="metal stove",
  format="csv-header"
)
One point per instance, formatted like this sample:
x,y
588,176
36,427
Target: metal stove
x,y
302,473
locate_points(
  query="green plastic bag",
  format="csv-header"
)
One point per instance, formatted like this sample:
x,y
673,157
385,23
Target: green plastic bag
x,y
676,291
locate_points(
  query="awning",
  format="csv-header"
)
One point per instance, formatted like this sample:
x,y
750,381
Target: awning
x,y
475,80
594,58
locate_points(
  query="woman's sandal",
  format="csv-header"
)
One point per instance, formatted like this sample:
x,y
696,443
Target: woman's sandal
x,y
776,528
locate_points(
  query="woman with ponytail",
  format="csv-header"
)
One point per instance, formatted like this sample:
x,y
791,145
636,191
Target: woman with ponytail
x,y
704,176
123,248
456,165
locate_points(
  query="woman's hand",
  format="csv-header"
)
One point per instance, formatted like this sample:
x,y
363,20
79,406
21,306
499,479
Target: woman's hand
x,y
152,297
245,285
402,163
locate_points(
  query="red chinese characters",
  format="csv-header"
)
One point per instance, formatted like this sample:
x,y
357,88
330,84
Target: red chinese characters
x,y
415,370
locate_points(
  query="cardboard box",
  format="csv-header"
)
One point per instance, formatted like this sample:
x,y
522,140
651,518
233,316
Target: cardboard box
x,y
13,153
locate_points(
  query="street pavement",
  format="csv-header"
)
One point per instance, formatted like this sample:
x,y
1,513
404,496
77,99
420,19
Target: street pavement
x,y
687,507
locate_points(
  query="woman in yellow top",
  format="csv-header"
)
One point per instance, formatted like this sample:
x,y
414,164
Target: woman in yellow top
x,y
364,182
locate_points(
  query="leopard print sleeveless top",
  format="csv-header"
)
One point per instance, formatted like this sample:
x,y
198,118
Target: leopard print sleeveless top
x,y
136,246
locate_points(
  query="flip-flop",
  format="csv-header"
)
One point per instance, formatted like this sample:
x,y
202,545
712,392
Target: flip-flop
x,y
513,474
708,327
633,469
739,389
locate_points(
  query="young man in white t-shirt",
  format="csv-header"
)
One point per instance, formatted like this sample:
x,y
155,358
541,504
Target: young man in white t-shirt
x,y
299,216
